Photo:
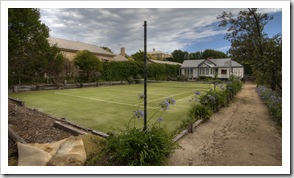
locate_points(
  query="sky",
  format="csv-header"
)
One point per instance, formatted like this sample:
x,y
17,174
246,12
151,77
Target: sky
x,y
168,29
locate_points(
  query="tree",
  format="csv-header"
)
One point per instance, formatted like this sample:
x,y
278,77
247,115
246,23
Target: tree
x,y
207,54
196,55
29,52
139,56
89,64
213,53
179,55
250,44
54,63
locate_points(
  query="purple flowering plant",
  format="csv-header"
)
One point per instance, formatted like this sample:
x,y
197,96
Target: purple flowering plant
x,y
162,106
273,101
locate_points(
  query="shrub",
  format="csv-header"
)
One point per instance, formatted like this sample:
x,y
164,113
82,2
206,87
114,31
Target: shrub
x,y
199,111
273,101
138,78
182,78
204,78
130,80
118,71
141,148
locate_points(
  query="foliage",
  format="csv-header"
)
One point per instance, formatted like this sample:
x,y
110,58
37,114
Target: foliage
x,y
204,78
273,101
182,78
199,111
107,49
247,69
130,80
250,44
119,71
89,64
29,53
179,55
139,56
213,53
138,78
142,147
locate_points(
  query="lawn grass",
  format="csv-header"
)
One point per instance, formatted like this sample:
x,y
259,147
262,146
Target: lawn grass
x,y
108,108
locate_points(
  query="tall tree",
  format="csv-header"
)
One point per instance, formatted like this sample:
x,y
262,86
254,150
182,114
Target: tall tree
x,y
250,43
28,48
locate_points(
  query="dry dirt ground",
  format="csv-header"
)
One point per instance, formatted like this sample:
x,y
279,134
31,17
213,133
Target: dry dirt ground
x,y
239,135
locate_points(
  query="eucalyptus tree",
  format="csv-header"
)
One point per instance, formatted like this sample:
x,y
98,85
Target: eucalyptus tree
x,y
249,42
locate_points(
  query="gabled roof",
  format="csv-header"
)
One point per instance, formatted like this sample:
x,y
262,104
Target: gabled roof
x,y
192,63
77,46
224,62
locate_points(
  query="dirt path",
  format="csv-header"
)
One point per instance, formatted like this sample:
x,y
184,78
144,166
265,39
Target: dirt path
x,y
239,135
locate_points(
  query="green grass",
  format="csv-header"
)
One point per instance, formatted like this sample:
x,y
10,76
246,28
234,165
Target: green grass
x,y
109,108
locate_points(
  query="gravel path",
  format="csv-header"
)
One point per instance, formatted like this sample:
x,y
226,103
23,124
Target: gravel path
x,y
239,135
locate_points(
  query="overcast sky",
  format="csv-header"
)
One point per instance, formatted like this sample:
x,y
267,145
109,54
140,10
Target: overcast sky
x,y
190,30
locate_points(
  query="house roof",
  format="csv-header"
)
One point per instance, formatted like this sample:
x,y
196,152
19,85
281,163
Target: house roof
x,y
77,46
120,58
164,62
157,52
224,62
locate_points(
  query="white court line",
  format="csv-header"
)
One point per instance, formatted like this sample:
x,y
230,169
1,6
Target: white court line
x,y
106,101
138,92
170,96
184,98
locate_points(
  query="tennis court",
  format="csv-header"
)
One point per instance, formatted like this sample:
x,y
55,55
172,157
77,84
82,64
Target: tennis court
x,y
110,107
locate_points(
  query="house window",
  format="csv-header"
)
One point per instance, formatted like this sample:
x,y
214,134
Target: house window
x,y
207,71
201,71
223,71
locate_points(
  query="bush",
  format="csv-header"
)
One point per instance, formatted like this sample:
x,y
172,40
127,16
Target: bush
x,y
136,147
204,78
182,78
199,111
130,80
142,147
118,71
138,78
273,101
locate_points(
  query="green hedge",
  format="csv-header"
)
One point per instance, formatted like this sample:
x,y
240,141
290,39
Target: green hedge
x,y
119,71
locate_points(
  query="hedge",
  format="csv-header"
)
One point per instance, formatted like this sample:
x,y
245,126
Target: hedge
x,y
118,71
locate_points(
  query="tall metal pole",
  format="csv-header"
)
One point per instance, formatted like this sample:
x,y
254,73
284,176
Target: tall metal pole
x,y
145,75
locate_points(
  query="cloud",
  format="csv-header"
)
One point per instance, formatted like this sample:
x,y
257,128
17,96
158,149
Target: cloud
x,y
223,48
167,29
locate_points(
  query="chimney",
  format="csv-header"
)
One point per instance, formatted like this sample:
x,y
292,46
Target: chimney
x,y
123,51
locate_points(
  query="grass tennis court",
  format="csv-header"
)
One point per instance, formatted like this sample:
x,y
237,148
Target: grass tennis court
x,y
110,107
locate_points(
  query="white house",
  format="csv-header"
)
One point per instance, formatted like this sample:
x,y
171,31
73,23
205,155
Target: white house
x,y
222,68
